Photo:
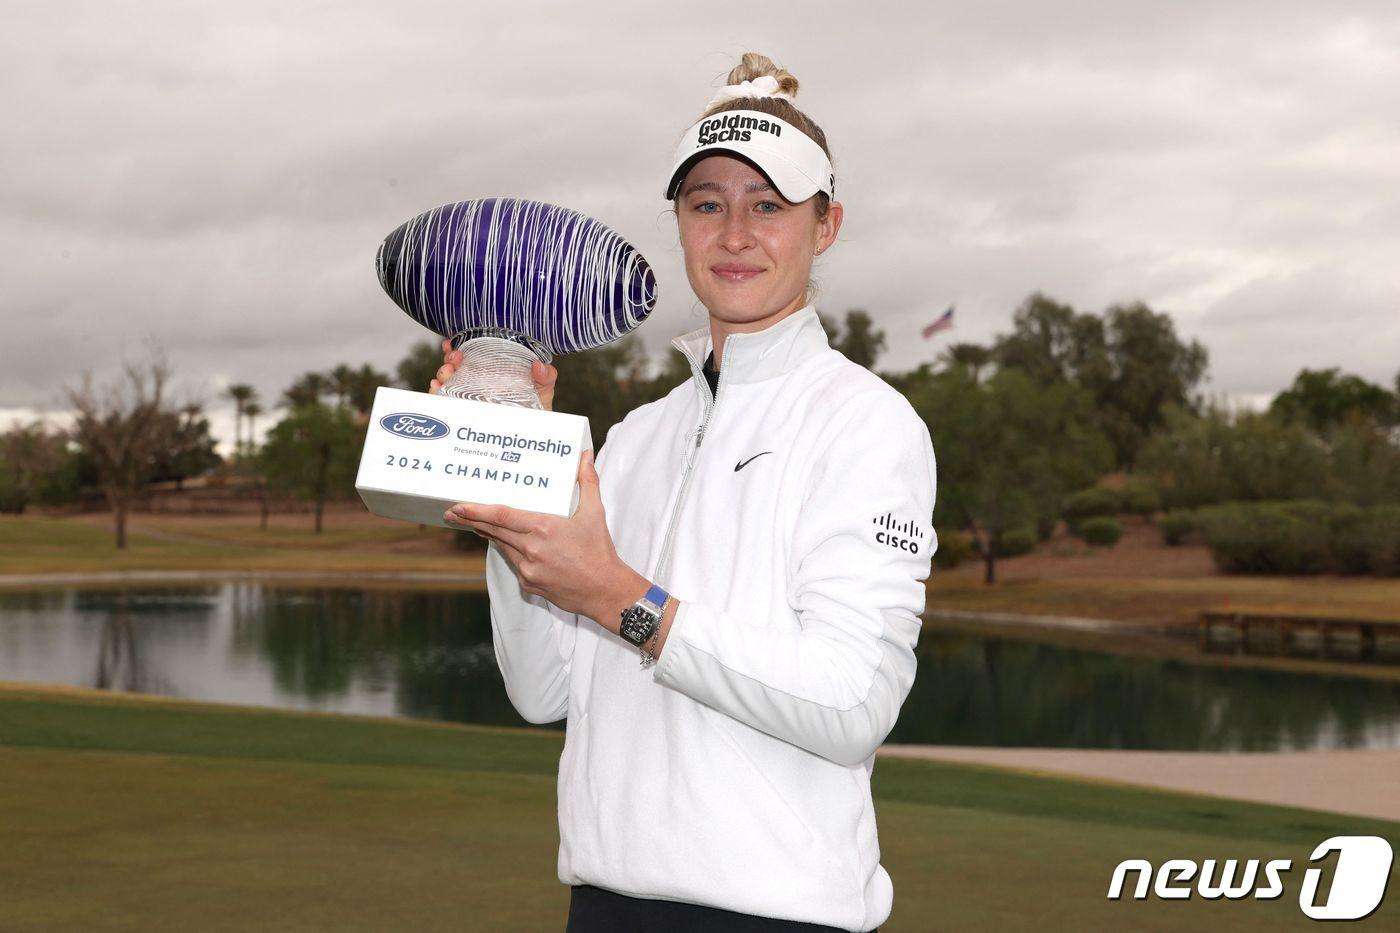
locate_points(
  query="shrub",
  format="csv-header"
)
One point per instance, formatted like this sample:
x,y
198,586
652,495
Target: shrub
x,y
1312,511
1141,498
1089,503
12,498
1177,526
954,547
1101,530
1367,541
1266,537
1355,546
1386,558
1016,541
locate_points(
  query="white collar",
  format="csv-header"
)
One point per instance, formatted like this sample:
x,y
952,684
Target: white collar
x,y
760,354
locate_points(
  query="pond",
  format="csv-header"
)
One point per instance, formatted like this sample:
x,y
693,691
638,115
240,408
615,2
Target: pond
x,y
428,654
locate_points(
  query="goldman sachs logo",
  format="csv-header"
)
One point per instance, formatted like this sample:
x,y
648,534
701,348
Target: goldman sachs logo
x,y
734,128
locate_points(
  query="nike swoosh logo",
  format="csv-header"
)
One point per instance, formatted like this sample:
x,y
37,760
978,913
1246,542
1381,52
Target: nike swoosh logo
x,y
739,466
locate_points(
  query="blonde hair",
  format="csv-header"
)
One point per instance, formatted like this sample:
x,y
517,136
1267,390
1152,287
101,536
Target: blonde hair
x,y
753,66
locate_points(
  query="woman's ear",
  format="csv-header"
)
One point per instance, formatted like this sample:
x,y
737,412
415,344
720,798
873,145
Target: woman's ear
x,y
829,226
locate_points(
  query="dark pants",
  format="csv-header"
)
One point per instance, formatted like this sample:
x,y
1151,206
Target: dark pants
x,y
595,910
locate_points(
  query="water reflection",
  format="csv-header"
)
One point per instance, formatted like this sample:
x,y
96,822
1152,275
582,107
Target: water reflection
x,y
428,654
975,690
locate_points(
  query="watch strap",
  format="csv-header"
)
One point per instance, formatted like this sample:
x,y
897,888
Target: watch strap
x,y
656,596
647,647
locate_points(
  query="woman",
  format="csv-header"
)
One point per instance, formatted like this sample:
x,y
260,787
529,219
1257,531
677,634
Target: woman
x,y
776,510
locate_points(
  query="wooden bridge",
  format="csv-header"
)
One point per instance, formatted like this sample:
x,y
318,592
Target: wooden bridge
x,y
1375,640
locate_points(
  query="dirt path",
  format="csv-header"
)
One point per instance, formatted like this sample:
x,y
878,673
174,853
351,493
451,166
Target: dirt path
x,y
1360,782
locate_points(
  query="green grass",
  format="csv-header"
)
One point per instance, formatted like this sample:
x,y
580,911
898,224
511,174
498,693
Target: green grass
x,y
1168,599
293,531
35,545
125,813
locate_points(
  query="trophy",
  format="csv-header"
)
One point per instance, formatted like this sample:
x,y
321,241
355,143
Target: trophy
x,y
509,281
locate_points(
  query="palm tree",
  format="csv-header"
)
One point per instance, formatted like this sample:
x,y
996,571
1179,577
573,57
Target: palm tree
x,y
242,394
252,410
366,383
342,383
971,355
305,391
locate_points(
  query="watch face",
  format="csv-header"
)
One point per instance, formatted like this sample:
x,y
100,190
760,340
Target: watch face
x,y
637,625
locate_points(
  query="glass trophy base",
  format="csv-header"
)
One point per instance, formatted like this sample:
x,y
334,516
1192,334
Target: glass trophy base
x,y
496,367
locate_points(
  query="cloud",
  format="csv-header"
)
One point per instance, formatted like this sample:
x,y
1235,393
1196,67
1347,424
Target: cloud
x,y
220,177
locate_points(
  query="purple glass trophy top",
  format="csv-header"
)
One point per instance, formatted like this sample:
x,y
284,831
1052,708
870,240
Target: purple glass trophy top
x,y
538,270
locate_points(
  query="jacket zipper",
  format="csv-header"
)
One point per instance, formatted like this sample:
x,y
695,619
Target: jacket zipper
x,y
710,405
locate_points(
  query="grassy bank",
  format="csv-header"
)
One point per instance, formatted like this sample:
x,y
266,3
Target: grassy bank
x,y
1171,600
129,813
38,545
1141,582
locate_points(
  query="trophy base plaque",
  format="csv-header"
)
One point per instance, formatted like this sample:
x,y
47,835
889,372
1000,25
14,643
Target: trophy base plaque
x,y
425,453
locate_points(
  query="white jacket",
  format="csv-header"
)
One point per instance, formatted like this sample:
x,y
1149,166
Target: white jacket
x,y
735,773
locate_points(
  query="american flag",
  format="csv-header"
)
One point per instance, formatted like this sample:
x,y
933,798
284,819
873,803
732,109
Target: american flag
x,y
945,321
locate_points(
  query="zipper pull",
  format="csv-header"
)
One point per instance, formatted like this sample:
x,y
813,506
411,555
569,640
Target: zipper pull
x,y
699,436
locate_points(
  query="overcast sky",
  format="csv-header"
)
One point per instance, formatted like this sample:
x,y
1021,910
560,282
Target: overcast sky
x,y
219,176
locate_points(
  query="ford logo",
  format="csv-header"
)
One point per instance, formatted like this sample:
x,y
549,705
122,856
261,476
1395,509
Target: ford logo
x,y
418,427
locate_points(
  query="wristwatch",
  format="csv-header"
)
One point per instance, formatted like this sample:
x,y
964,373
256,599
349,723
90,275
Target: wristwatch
x,y
641,620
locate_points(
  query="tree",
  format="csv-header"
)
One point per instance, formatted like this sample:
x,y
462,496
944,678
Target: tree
x,y
305,391
1218,456
35,465
1131,361
603,384
125,428
364,383
1322,399
341,382
251,411
313,454
859,342
1150,369
416,370
1050,343
1363,462
1008,451
242,394
972,356
191,447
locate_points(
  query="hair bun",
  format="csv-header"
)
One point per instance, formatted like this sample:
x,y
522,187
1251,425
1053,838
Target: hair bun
x,y
754,65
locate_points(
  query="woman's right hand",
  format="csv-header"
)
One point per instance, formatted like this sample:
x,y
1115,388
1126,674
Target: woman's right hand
x,y
544,375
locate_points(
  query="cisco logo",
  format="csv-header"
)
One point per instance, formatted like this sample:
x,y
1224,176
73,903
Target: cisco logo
x,y
897,534
417,427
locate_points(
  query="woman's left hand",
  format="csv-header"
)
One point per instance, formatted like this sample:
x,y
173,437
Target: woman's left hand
x,y
569,561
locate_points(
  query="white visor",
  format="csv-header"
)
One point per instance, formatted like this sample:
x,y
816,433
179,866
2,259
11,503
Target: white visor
x,y
791,159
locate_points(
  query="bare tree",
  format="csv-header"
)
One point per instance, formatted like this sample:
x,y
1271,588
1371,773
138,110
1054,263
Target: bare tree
x,y
125,428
